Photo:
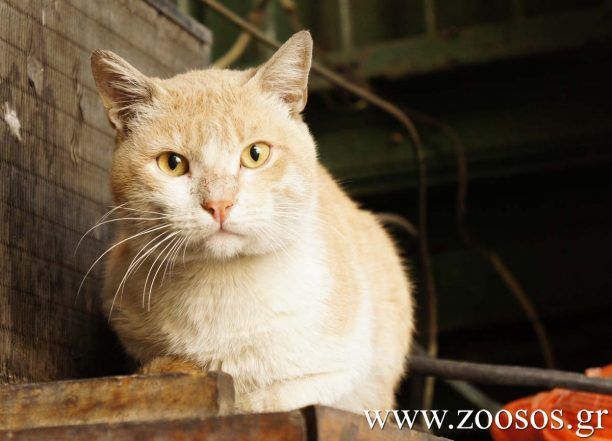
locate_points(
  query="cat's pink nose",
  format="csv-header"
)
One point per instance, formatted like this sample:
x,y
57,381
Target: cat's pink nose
x,y
219,210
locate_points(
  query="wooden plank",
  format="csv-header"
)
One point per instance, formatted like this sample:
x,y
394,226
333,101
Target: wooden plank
x,y
76,106
67,38
57,90
46,169
39,191
65,19
56,166
311,423
270,427
65,34
54,180
92,148
113,400
474,45
173,45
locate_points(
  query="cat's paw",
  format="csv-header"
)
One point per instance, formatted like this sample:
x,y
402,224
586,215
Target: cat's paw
x,y
274,398
257,401
161,365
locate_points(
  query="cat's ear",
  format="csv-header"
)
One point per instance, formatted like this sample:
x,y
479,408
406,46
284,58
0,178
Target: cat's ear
x,y
286,73
122,87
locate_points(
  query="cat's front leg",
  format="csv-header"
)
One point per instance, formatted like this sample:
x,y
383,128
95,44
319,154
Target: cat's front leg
x,y
165,364
286,395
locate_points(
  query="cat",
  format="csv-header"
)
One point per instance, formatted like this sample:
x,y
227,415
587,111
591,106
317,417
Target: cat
x,y
238,251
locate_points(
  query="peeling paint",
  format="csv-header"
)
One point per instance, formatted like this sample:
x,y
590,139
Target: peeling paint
x,y
35,73
11,119
75,140
53,6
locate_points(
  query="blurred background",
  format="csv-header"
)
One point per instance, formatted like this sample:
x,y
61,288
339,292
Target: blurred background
x,y
525,86
517,90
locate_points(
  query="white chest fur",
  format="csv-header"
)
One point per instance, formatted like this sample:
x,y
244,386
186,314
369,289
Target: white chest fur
x,y
260,319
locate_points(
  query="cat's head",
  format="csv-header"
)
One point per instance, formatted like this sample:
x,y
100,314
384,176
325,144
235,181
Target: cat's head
x,y
221,157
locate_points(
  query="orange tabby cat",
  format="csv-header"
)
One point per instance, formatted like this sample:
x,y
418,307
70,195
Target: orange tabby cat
x,y
239,252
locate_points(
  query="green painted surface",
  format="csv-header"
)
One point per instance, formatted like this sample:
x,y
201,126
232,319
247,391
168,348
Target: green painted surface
x,y
514,118
476,44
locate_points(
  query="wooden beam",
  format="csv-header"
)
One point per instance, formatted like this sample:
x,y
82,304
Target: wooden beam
x,y
112,400
473,45
167,406
270,427
314,423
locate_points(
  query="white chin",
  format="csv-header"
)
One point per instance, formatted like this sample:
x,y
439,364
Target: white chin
x,y
224,245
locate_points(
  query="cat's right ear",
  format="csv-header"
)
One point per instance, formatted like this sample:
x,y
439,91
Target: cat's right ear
x,y
122,87
286,73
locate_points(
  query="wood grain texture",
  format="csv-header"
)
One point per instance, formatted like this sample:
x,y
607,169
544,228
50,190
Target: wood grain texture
x,y
53,181
314,423
113,400
288,426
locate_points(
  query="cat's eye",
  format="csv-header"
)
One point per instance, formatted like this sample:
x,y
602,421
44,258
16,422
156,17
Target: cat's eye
x,y
255,155
172,164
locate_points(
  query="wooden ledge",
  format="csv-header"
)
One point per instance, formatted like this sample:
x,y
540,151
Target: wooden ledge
x,y
115,400
167,406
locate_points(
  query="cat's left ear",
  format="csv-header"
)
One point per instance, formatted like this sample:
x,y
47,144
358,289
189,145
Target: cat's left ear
x,y
286,73
124,90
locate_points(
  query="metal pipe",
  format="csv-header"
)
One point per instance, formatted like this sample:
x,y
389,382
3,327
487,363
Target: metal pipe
x,y
481,373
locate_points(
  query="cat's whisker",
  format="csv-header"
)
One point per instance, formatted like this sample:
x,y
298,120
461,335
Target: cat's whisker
x,y
166,257
135,264
316,221
172,254
144,290
177,244
144,258
266,234
149,230
111,211
288,236
141,211
185,248
102,218
251,219
176,254
175,258
99,224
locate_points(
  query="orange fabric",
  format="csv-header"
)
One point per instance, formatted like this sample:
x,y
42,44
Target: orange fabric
x,y
571,403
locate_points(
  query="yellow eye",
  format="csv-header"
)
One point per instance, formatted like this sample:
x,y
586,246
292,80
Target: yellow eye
x,y
172,164
255,155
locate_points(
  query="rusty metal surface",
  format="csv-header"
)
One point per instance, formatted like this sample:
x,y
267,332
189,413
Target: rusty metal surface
x,y
337,425
309,424
288,426
115,400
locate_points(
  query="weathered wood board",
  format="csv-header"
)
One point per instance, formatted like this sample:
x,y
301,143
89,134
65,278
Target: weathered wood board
x,y
55,151
270,427
287,426
113,400
168,406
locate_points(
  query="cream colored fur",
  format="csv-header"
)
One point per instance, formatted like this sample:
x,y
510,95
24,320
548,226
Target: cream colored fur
x,y
305,300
